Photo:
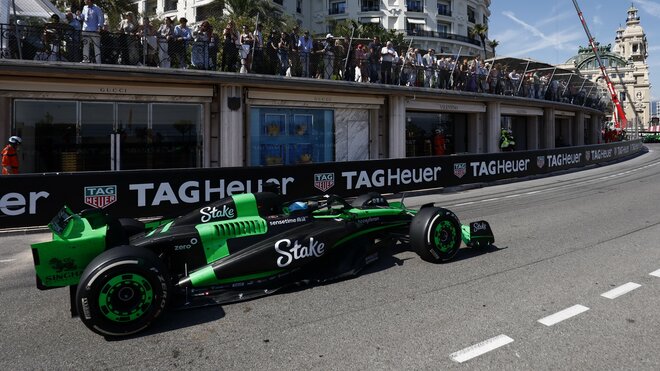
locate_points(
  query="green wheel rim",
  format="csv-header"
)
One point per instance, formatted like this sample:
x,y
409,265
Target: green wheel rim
x,y
444,236
126,297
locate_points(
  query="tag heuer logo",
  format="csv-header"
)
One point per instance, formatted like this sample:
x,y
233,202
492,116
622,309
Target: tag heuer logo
x,y
587,155
324,181
101,196
540,161
460,169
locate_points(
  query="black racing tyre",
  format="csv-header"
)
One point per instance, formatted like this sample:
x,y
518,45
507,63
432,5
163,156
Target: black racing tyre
x,y
371,199
435,234
122,291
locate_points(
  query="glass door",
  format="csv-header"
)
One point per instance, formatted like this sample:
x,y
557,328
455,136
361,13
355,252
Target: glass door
x,y
97,123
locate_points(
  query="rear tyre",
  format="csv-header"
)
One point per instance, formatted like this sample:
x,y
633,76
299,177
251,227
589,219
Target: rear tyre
x,y
122,291
435,234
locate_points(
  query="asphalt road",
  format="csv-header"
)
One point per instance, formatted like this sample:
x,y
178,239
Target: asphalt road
x,y
534,302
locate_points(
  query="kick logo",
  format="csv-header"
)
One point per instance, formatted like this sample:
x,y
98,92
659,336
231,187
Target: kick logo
x,y
540,161
460,169
100,196
324,181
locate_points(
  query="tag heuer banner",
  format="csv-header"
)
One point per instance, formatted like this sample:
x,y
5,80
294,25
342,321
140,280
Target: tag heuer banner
x,y
33,199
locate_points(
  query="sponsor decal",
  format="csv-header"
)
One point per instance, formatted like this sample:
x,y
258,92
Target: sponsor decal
x,y
212,213
14,203
564,159
479,226
299,219
101,196
372,219
587,155
290,251
193,241
390,177
324,181
460,169
85,306
191,192
601,154
66,264
540,161
497,167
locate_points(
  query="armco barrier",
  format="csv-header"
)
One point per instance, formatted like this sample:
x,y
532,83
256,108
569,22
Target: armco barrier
x,y
33,199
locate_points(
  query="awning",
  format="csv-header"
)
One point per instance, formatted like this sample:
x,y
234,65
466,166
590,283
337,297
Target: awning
x,y
27,8
416,21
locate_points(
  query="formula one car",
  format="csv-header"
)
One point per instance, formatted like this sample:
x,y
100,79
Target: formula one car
x,y
123,273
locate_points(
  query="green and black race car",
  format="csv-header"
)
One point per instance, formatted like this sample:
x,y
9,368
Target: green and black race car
x,y
123,273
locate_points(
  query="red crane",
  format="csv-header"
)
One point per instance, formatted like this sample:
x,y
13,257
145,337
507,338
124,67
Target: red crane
x,y
620,121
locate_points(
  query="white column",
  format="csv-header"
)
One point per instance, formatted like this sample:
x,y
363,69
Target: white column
x,y
397,127
493,127
232,146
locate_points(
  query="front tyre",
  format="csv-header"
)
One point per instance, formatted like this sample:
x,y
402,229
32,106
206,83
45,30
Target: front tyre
x,y
122,291
435,234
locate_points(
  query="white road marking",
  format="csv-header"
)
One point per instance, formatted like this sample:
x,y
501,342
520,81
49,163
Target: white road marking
x,y
655,273
618,291
480,348
6,260
562,315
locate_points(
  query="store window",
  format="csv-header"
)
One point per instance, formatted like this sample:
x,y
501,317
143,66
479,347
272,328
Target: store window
x,y
432,133
282,136
77,135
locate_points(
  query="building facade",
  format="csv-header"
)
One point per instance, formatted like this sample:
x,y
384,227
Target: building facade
x,y
626,63
443,25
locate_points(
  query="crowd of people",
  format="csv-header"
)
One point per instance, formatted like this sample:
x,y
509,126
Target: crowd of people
x,y
85,36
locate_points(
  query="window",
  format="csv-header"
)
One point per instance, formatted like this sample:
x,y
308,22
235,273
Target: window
x,y
338,7
444,8
280,2
415,5
443,28
370,5
471,15
170,5
299,6
287,136
622,96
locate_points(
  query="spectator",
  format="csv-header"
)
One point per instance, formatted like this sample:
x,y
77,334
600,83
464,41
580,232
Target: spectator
x,y
229,47
127,41
203,35
374,49
73,39
387,56
283,54
165,37
305,48
429,62
53,38
182,36
93,21
361,73
514,81
272,48
328,56
258,52
294,58
348,55
444,67
246,43
147,33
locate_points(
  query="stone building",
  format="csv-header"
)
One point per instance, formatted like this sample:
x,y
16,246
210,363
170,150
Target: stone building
x,y
626,64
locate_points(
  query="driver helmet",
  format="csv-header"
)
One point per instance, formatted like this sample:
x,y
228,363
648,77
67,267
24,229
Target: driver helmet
x,y
15,139
298,205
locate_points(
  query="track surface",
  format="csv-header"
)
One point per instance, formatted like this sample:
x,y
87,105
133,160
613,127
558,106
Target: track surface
x,y
534,302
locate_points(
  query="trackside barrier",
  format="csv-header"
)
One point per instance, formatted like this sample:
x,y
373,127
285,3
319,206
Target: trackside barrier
x,y
33,199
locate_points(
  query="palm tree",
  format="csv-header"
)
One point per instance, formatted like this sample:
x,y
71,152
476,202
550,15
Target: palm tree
x,y
493,44
480,30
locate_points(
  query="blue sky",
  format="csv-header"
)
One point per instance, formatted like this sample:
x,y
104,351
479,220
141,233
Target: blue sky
x,y
550,31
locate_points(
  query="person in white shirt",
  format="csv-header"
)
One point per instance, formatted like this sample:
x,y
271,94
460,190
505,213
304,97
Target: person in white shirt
x,y
387,54
93,20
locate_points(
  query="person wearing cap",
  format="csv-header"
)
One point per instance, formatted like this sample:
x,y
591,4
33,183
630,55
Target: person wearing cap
x,y
328,56
93,20
10,157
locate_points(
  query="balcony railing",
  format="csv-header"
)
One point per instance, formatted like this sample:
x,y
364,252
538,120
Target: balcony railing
x,y
337,9
443,35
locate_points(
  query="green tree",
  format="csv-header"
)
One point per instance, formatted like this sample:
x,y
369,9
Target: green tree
x,y
480,30
493,44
